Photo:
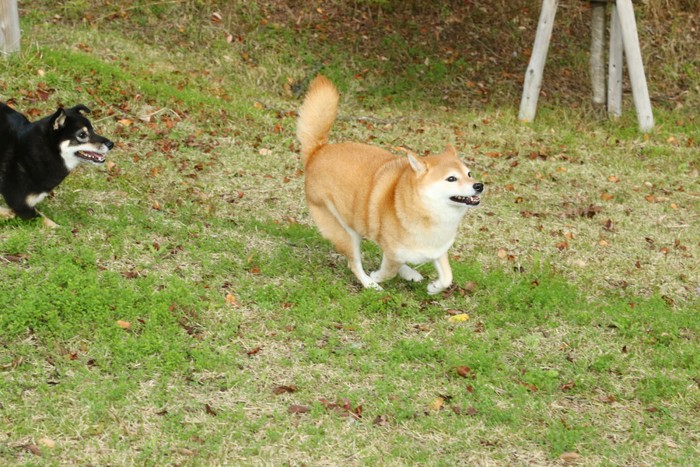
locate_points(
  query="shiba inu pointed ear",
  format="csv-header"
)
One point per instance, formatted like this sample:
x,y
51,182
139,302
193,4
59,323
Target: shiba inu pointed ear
x,y
58,119
81,108
417,165
450,150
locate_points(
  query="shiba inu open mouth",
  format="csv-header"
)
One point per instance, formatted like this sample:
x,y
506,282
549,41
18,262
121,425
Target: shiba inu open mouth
x,y
90,156
468,200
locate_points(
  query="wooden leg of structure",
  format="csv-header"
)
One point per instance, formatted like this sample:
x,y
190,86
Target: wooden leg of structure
x,y
630,42
535,69
9,27
597,59
615,57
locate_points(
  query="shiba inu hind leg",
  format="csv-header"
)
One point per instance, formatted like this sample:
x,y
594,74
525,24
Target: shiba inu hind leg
x,y
390,268
387,270
355,263
345,240
444,280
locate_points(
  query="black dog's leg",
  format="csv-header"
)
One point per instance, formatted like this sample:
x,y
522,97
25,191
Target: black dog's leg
x,y
21,209
18,203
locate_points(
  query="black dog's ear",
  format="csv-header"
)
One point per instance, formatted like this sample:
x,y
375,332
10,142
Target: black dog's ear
x,y
58,119
81,108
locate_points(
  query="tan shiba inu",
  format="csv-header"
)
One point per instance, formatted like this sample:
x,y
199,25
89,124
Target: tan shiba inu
x,y
411,207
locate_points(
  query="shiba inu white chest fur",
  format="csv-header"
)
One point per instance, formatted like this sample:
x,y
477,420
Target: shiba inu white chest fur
x,y
411,207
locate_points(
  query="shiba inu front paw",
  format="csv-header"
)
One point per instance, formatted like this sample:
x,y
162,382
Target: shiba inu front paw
x,y
368,282
410,274
436,287
371,284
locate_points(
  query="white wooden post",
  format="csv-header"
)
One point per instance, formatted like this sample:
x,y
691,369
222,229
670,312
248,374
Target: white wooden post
x,y
630,41
597,59
615,65
533,75
9,27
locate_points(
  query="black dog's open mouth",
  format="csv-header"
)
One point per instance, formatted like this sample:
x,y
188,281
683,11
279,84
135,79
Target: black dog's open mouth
x,y
468,200
95,157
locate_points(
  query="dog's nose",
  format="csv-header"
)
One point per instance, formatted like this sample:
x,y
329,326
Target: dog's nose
x,y
109,144
478,187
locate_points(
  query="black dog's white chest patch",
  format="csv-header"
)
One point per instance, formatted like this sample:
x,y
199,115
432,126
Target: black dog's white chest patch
x,y
35,198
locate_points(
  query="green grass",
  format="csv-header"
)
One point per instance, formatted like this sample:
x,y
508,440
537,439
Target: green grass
x,y
187,304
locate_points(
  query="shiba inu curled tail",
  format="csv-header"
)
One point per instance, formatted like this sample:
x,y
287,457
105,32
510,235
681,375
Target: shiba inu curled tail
x,y
410,206
317,115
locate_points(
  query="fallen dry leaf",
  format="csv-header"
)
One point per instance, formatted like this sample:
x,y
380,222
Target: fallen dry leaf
x,y
48,442
124,324
465,371
570,457
185,451
381,420
283,389
343,408
209,410
231,299
568,386
529,386
254,351
436,404
607,399
18,258
298,409
33,448
460,318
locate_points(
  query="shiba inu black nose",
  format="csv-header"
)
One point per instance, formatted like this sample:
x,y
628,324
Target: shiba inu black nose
x,y
478,187
109,144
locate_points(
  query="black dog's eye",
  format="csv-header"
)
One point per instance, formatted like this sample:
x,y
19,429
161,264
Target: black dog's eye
x,y
83,136
451,178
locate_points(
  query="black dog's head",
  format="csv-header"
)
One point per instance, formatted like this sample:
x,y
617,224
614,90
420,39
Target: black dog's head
x,y
76,138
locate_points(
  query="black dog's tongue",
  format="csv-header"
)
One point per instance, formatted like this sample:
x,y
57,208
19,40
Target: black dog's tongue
x,y
91,156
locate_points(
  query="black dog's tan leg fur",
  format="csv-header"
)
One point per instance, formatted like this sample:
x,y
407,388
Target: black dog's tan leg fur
x,y
7,214
46,222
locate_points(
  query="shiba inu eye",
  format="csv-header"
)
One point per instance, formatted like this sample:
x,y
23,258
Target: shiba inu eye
x,y
469,174
451,178
82,136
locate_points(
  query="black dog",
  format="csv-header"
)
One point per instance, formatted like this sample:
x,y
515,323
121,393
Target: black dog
x,y
36,157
